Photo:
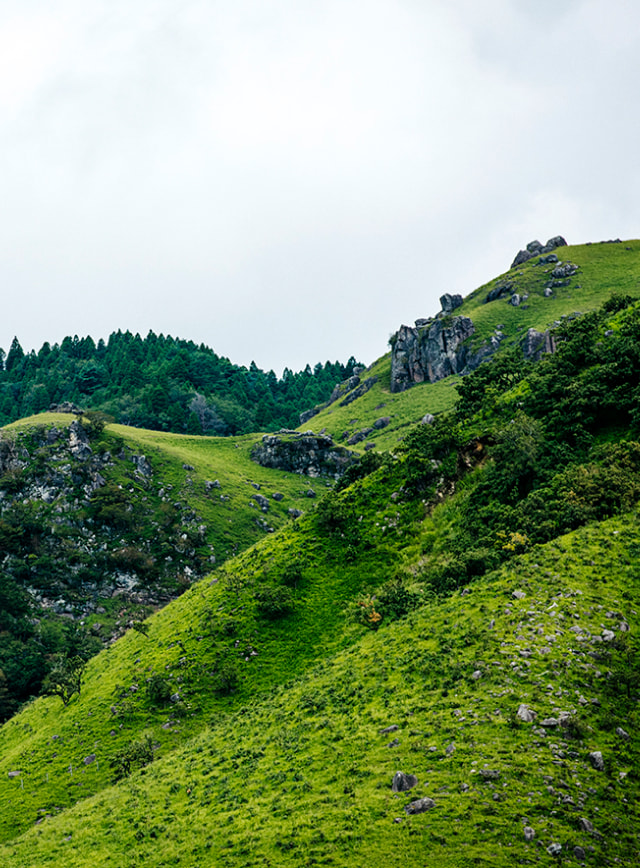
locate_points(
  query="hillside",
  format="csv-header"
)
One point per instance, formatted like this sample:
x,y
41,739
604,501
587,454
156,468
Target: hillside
x,y
100,526
461,608
603,269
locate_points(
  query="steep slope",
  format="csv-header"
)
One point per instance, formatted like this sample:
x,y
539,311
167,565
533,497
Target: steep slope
x,y
508,705
100,526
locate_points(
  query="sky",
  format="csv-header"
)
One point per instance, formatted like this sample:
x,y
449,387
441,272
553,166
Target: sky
x,y
290,181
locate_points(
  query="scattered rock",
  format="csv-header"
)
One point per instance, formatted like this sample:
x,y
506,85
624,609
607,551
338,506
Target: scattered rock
x,y
476,675
403,782
536,343
579,853
308,454
554,849
211,484
262,501
14,774
518,595
429,355
428,419
277,495
89,759
393,728
534,248
394,743
382,422
622,733
529,833
526,714
515,300
596,760
586,825
489,774
419,806
188,467
79,441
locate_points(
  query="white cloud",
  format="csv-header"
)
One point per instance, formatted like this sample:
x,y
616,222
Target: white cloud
x,y
287,181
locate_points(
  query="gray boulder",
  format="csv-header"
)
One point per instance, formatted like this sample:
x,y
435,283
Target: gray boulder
x,y
449,303
596,760
535,344
419,806
403,782
526,714
262,501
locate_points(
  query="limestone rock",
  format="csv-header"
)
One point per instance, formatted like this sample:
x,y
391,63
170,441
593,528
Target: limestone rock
x,y
403,782
79,441
536,343
526,714
534,248
262,501
308,454
431,354
596,760
449,303
419,806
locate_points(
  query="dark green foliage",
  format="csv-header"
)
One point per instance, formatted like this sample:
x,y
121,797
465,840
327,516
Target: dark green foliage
x,y
227,677
159,690
64,678
161,383
274,602
135,755
394,600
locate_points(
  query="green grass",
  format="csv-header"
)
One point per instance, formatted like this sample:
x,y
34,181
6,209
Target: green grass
x,y
302,775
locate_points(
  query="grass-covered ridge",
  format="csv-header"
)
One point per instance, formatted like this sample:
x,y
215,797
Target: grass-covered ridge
x,y
603,269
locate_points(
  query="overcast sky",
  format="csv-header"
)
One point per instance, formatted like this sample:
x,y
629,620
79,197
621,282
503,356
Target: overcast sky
x,y
290,180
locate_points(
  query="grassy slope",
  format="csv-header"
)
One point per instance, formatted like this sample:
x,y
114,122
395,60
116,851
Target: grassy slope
x,y
604,268
303,775
233,519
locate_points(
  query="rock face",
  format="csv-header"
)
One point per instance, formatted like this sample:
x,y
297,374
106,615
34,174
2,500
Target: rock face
x,y
79,441
535,344
534,248
430,354
308,454
450,302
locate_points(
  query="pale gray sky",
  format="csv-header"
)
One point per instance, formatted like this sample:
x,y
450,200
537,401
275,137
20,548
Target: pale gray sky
x,y
289,180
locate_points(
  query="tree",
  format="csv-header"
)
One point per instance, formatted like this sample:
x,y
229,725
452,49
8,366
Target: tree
x,y
65,678
15,356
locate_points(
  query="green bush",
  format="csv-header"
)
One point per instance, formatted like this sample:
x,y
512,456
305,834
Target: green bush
x,y
274,602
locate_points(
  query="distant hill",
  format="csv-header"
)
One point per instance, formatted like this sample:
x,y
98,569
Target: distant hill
x,y
161,383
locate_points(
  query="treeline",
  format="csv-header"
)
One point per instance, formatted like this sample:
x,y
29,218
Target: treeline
x,y
162,383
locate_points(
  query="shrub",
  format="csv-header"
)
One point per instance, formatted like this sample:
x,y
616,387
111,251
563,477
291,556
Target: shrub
x,y
274,602
134,755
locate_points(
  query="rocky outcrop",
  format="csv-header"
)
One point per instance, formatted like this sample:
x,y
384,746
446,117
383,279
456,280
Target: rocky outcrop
x,y
536,344
430,354
308,454
534,248
449,303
